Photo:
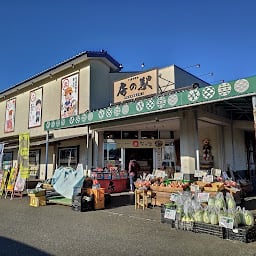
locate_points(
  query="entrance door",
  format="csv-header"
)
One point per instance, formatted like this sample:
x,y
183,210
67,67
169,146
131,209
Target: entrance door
x,y
144,156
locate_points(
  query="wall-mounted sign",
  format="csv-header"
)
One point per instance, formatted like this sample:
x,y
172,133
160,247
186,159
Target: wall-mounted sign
x,y
139,143
35,108
69,99
10,115
134,87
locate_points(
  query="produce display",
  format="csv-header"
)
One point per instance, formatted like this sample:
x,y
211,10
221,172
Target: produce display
x,y
161,184
219,215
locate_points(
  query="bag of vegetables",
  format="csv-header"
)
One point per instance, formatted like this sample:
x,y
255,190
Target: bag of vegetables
x,y
211,201
188,211
231,203
220,201
214,219
206,216
248,218
232,213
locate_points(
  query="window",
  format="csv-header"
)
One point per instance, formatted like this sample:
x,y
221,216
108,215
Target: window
x,y
111,154
112,135
68,156
7,160
34,163
149,134
130,135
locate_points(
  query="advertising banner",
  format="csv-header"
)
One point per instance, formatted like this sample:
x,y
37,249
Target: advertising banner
x,y
24,155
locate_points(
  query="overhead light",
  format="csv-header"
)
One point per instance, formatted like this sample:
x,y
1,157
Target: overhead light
x,y
142,65
120,66
207,74
218,81
192,66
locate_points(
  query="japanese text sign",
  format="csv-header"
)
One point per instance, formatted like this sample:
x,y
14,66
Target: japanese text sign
x,y
141,85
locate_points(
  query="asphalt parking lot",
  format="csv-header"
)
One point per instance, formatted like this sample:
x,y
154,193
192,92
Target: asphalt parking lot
x,y
117,230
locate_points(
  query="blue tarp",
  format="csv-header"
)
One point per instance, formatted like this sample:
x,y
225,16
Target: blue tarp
x,y
66,179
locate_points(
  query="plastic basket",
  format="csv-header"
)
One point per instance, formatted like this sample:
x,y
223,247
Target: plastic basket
x,y
184,225
210,229
244,234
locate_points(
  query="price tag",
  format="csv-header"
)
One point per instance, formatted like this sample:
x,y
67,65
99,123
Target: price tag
x,y
194,188
170,214
226,222
178,176
203,197
198,174
208,178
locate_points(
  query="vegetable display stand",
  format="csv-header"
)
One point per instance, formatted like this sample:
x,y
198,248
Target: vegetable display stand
x,y
210,229
244,234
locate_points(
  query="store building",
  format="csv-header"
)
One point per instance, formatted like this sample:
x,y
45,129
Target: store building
x,y
80,84
86,110
171,121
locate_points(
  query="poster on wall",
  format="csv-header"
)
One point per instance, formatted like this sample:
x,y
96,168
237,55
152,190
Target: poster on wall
x,y
69,96
10,115
35,108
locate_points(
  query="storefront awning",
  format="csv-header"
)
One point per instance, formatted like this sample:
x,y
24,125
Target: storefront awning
x,y
43,142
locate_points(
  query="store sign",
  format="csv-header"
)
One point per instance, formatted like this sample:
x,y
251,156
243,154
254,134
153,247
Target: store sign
x,y
134,87
139,143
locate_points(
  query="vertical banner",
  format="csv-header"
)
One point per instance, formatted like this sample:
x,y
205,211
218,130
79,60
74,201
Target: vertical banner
x,y
1,165
24,155
12,179
1,156
4,181
10,115
69,99
35,108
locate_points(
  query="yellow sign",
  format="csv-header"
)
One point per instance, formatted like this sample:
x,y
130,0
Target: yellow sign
x,y
24,155
134,87
12,179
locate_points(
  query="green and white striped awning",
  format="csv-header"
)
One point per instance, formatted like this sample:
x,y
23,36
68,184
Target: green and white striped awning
x,y
159,103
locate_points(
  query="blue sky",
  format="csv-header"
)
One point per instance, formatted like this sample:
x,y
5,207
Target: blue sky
x,y
219,35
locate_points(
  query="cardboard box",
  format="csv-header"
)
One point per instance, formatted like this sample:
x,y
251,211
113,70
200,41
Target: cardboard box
x,y
36,201
38,193
99,197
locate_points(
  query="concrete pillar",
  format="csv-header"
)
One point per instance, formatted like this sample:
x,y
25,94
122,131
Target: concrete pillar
x,y
188,142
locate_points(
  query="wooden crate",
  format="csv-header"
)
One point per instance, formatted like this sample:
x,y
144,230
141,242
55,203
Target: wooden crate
x,y
162,198
99,197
